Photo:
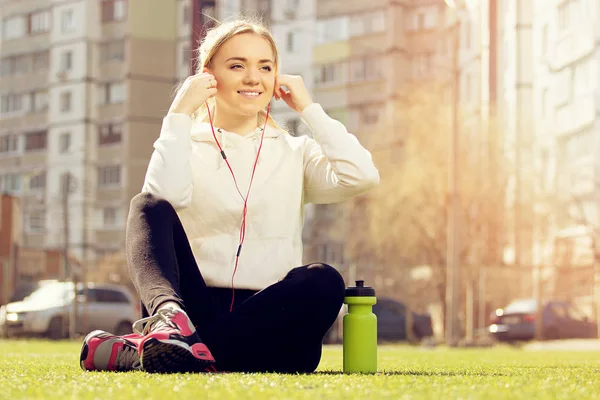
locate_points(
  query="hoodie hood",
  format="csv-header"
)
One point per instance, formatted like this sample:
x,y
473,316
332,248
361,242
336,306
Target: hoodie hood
x,y
203,133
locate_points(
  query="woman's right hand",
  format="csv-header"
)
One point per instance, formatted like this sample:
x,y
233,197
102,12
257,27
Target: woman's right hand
x,y
196,89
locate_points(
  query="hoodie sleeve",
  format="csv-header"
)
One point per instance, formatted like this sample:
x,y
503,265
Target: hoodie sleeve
x,y
336,166
169,173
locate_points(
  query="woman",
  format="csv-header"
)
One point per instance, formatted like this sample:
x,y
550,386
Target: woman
x,y
215,263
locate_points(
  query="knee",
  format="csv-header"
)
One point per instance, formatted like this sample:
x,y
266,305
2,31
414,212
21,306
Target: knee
x,y
148,203
326,282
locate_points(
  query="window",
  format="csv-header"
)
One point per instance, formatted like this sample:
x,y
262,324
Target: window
x,y
36,140
373,22
11,103
111,93
369,115
38,22
377,21
293,4
328,73
357,22
358,70
366,68
22,64
109,134
38,181
41,60
67,21
185,55
64,142
110,296
112,51
422,18
333,29
65,101
109,175
185,14
292,41
37,221
10,183
15,65
113,10
116,93
14,27
119,10
111,217
8,143
422,65
6,66
66,61
39,101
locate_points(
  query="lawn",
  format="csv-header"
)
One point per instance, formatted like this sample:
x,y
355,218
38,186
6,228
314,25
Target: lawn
x,y
50,370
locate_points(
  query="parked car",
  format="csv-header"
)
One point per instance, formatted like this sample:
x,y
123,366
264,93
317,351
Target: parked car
x,y
560,320
45,312
24,289
391,323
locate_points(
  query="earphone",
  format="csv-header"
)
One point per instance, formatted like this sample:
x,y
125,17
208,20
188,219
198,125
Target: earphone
x,y
245,199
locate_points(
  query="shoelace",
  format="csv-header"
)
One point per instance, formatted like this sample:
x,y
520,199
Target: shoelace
x,y
127,358
161,318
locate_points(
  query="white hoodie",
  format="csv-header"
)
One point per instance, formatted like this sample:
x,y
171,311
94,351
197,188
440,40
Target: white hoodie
x,y
187,170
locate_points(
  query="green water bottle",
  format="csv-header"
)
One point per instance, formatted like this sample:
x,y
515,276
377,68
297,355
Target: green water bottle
x,y
360,330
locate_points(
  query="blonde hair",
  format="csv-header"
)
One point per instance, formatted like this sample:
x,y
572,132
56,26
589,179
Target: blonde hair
x,y
214,40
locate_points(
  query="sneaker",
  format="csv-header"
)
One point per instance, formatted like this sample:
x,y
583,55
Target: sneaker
x,y
171,344
103,351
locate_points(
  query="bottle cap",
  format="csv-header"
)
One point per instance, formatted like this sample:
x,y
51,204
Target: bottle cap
x,y
360,290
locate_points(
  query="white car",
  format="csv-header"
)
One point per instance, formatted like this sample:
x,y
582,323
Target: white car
x,y
45,312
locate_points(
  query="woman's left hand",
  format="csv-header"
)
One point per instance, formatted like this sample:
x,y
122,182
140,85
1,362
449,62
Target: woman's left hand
x,y
291,89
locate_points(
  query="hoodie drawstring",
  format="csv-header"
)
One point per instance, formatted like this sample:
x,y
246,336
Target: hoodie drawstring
x,y
244,198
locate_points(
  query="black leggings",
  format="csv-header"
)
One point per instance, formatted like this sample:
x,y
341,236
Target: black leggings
x,y
278,329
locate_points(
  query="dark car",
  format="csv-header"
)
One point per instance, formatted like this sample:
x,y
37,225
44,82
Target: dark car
x,y
391,323
517,321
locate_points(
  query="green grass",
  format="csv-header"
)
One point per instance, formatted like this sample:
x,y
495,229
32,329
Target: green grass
x,y
50,370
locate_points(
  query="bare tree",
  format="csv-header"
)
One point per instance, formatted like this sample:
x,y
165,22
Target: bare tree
x,y
407,213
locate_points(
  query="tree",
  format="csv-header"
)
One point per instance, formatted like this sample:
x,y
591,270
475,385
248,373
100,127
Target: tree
x,y
408,212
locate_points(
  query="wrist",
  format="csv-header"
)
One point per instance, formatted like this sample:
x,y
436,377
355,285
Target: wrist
x,y
181,110
303,107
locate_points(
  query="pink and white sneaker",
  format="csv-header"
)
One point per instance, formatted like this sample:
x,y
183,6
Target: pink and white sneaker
x,y
171,344
103,351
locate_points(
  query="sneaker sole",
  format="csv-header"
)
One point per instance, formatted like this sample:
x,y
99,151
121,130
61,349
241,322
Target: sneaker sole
x,y
166,358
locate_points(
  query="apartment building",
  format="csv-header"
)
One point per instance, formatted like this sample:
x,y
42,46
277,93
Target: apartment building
x,y
565,97
367,56
84,85
567,58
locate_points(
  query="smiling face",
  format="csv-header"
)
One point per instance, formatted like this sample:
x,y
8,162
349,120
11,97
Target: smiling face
x,y
244,68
